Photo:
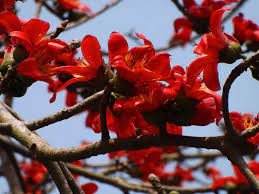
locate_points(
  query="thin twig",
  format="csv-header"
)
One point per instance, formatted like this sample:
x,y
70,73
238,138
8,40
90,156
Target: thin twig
x,y
103,106
250,132
64,113
87,18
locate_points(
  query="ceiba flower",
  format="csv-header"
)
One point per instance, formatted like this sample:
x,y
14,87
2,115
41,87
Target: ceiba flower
x,y
139,63
30,49
241,122
69,5
213,48
6,5
245,30
87,69
199,20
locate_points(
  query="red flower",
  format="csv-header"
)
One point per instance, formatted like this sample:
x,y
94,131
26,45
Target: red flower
x,y
33,52
205,9
89,188
212,172
34,173
239,178
6,5
245,30
85,70
140,63
69,5
122,124
183,30
242,122
254,167
200,15
214,48
202,105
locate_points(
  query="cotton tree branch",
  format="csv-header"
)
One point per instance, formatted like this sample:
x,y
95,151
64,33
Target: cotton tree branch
x,y
144,187
236,158
229,15
250,132
30,139
43,151
236,72
75,188
58,177
103,106
9,171
64,113
85,19
182,9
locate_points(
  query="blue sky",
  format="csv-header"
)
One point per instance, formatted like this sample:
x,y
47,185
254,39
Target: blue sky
x,y
154,19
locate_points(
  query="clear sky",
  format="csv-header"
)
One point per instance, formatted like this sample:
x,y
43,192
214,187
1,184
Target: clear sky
x,y
154,19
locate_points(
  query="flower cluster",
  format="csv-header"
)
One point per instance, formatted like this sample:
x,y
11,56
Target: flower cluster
x,y
238,180
241,122
35,174
198,18
142,163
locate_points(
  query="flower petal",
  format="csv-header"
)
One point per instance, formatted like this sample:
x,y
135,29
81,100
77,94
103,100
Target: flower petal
x,y
36,29
91,51
215,24
196,67
117,45
211,77
160,63
10,21
89,188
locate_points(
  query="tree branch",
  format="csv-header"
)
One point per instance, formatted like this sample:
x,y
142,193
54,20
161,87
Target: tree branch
x,y
236,72
64,113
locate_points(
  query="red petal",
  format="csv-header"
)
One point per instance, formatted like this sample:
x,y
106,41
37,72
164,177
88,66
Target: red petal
x,y
89,188
188,3
146,41
85,71
36,29
160,63
22,38
182,22
91,51
10,21
197,66
215,25
117,45
71,98
211,77
72,81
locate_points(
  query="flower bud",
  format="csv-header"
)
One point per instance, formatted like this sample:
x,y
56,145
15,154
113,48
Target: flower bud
x,y
230,53
20,54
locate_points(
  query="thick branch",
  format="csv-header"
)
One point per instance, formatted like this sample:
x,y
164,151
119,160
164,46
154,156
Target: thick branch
x,y
250,132
236,158
58,177
76,189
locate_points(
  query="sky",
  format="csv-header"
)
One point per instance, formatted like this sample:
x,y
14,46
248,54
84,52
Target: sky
x,y
154,19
